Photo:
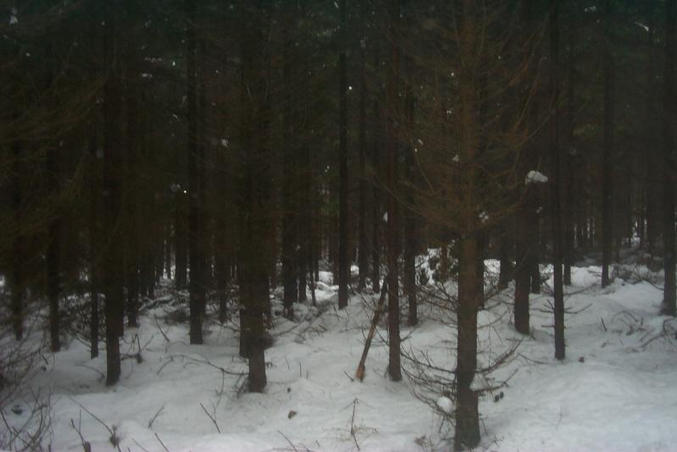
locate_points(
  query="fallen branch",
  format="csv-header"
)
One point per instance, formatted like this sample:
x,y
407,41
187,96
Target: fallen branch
x,y
290,443
352,424
86,446
359,373
157,413
114,440
212,418
161,443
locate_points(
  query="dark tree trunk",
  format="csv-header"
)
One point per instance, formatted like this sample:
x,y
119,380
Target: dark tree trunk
x,y
53,251
376,191
132,243
669,304
343,261
94,248
17,258
167,249
392,102
522,271
535,244
180,233
506,272
526,220
221,266
255,187
289,167
410,229
467,416
556,184
195,182
568,156
467,427
608,149
363,244
653,165
112,188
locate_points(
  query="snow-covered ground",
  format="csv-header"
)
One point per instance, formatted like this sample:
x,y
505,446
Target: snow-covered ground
x,y
616,391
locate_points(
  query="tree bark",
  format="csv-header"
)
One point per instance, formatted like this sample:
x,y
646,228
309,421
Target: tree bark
x,y
289,166
608,149
255,187
195,164
112,189
522,271
376,190
568,156
53,251
94,248
467,429
132,242
410,226
363,244
669,304
343,262
392,102
556,183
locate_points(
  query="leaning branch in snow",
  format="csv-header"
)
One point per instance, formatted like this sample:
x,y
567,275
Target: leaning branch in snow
x,y
208,363
212,418
359,373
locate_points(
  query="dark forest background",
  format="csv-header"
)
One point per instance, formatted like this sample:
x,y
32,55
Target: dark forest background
x,y
234,147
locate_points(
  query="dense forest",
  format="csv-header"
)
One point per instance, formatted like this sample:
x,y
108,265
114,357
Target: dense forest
x,y
221,157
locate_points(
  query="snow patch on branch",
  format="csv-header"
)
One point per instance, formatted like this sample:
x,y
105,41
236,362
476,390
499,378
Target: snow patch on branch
x,y
535,177
445,404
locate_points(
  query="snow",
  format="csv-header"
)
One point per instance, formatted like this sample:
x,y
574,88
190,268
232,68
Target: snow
x,y
445,404
535,177
614,391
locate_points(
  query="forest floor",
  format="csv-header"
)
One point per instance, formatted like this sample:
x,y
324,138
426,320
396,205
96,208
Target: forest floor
x,y
615,391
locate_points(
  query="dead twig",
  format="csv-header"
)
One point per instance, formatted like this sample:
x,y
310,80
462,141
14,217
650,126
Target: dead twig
x,y
138,444
352,425
212,418
289,441
114,440
157,413
86,446
161,443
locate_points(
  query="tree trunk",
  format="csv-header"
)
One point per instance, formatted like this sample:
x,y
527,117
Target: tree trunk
x,y
112,189
392,102
376,191
255,187
467,416
556,183
132,243
522,271
94,248
363,244
568,156
410,229
608,149
180,245
669,304
289,167
195,164
343,261
506,272
467,428
17,259
53,251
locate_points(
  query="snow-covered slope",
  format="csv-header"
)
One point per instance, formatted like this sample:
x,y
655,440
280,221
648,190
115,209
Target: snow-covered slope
x,y
616,390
